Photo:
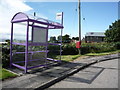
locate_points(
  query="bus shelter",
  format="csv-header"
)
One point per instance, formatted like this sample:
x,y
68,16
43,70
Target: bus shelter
x,y
36,35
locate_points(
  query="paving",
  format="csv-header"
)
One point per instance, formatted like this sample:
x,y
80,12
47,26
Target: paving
x,y
99,75
42,78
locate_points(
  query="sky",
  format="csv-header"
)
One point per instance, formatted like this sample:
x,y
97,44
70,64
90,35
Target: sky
x,y
97,15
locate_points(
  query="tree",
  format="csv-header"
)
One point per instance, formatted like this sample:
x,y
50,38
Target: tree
x,y
66,38
75,38
52,39
59,38
113,33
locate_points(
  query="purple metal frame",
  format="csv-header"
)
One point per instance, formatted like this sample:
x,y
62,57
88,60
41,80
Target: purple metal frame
x,y
22,17
36,44
38,60
11,45
30,52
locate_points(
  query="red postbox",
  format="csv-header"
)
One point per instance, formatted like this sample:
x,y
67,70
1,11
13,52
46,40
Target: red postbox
x,y
78,44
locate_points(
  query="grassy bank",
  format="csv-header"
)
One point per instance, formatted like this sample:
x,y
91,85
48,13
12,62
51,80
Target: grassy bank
x,y
73,57
69,57
101,54
4,74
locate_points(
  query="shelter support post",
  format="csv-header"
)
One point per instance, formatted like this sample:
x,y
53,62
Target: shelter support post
x,y
46,46
11,45
26,48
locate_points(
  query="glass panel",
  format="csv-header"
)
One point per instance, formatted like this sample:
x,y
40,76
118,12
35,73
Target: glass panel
x,y
19,32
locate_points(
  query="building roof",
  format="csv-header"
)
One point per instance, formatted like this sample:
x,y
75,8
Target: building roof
x,y
100,34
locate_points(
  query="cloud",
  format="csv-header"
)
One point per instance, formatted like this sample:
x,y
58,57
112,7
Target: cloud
x,y
8,8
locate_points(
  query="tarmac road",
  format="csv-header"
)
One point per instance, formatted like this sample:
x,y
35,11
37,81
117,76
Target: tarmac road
x,y
100,75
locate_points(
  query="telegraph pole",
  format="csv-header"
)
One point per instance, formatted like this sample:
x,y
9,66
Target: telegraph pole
x,y
79,22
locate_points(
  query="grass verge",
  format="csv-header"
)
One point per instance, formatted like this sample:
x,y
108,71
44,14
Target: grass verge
x,y
101,54
4,74
69,58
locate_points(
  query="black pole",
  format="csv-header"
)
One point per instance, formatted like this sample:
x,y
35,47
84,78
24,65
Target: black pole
x,y
34,14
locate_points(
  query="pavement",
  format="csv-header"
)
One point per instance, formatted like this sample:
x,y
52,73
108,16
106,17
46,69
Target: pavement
x,y
43,78
99,75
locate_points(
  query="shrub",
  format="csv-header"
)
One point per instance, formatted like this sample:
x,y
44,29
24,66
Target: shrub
x,y
54,50
97,47
6,52
5,55
69,49
117,45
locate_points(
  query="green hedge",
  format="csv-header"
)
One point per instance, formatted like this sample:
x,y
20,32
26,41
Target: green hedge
x,y
70,49
5,55
67,49
97,47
